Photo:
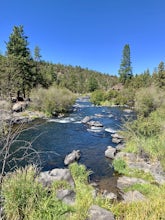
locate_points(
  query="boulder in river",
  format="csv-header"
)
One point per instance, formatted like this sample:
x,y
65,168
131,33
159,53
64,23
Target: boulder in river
x,y
110,152
72,157
86,119
94,124
116,140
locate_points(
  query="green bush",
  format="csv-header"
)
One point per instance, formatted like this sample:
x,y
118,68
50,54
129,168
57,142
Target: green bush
x,y
148,100
119,165
97,97
52,100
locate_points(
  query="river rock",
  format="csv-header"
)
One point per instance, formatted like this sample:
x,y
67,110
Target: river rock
x,y
109,195
86,119
47,177
110,152
19,106
94,124
96,212
67,196
125,181
72,157
116,140
133,196
120,147
117,135
128,110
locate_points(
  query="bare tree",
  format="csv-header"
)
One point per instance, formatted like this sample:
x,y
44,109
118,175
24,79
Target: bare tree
x,y
13,149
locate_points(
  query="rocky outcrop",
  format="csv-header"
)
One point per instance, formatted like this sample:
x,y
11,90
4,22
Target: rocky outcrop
x,y
47,177
72,157
110,152
96,212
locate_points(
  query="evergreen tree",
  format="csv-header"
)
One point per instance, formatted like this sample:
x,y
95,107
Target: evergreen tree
x,y
160,78
37,55
20,61
125,71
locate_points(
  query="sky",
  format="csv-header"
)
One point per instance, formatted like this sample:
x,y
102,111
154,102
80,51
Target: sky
x,y
89,33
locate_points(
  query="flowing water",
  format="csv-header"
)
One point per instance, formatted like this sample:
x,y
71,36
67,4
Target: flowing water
x,y
59,137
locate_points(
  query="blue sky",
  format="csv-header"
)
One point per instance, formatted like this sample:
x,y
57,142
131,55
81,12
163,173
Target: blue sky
x,y
90,33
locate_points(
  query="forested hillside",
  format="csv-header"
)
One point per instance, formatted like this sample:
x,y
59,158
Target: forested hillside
x,y
22,69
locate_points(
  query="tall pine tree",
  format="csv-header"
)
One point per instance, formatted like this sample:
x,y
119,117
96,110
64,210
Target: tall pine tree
x,y
19,62
125,71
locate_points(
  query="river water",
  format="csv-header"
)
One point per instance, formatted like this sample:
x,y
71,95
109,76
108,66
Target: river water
x,y
58,137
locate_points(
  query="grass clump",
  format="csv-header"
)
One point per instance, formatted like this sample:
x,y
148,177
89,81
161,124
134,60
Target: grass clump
x,y
25,198
84,198
152,208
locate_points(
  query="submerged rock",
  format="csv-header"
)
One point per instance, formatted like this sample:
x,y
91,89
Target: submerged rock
x,y
70,158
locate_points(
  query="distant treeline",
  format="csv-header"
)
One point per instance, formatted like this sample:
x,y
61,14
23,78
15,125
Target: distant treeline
x,y
21,70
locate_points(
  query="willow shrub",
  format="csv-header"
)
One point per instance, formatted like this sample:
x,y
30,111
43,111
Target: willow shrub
x,y
52,100
148,99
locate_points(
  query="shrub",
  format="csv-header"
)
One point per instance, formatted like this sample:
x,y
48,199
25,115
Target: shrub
x,y
148,100
97,97
52,100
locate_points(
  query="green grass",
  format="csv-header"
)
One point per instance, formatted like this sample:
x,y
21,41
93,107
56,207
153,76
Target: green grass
x,y
25,198
121,167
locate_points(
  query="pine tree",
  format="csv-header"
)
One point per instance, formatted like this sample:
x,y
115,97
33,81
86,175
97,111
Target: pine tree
x,y
20,61
125,71
160,79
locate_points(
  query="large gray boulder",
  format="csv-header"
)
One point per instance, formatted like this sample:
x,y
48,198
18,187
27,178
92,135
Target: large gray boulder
x,y
47,177
110,152
96,212
72,157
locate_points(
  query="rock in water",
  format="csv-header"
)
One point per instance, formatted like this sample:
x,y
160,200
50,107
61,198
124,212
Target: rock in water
x,y
70,158
110,152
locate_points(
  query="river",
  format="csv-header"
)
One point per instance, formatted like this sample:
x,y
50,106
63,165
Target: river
x,y
58,137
